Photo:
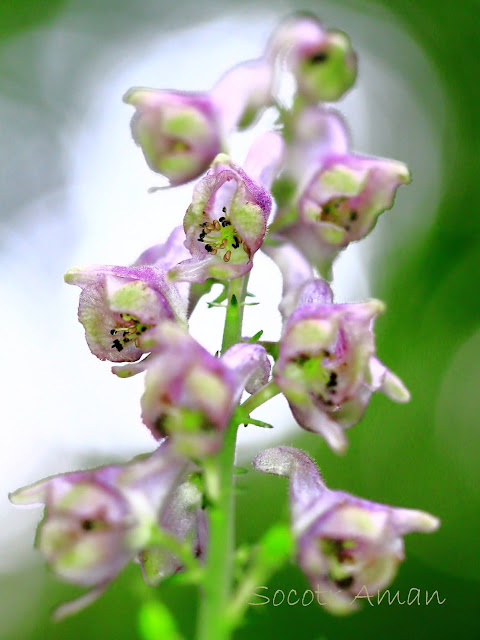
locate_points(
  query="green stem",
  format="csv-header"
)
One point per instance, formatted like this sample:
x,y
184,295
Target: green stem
x,y
261,396
217,584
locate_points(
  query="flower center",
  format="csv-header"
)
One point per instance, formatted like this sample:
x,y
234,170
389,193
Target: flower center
x,y
339,212
341,560
221,236
318,374
130,331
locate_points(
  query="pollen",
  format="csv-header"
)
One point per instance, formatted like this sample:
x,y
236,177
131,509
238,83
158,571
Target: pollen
x,y
130,331
220,235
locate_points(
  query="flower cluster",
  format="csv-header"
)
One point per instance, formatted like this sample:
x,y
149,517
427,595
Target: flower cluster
x,y
155,509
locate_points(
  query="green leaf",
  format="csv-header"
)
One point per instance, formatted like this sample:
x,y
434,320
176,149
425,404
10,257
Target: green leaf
x,y
256,337
155,621
276,546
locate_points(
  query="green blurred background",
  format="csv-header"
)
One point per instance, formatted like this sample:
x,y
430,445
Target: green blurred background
x,y
423,455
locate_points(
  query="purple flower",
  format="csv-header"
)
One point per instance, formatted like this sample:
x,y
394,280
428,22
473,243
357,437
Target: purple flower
x,y
329,197
97,521
190,395
322,61
343,200
178,132
345,545
181,132
226,223
327,367
119,304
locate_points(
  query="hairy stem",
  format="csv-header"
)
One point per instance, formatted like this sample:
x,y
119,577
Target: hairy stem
x,y
217,585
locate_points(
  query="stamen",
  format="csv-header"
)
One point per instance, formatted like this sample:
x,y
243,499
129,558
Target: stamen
x,y
117,345
217,225
129,333
227,256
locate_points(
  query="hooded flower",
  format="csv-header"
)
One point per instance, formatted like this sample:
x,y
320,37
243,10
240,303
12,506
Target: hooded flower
x,y
181,132
97,521
226,223
328,196
322,61
345,545
327,367
178,132
343,200
190,395
119,304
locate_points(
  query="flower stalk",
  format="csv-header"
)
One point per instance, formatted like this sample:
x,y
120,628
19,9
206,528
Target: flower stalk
x,y
217,583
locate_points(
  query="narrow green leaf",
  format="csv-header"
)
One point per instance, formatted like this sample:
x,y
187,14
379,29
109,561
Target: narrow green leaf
x,y
256,337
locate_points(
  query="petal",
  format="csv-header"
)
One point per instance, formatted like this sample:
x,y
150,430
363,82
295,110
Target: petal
x,y
408,520
82,558
243,92
166,255
382,379
250,366
306,484
318,133
316,421
265,158
316,292
295,272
